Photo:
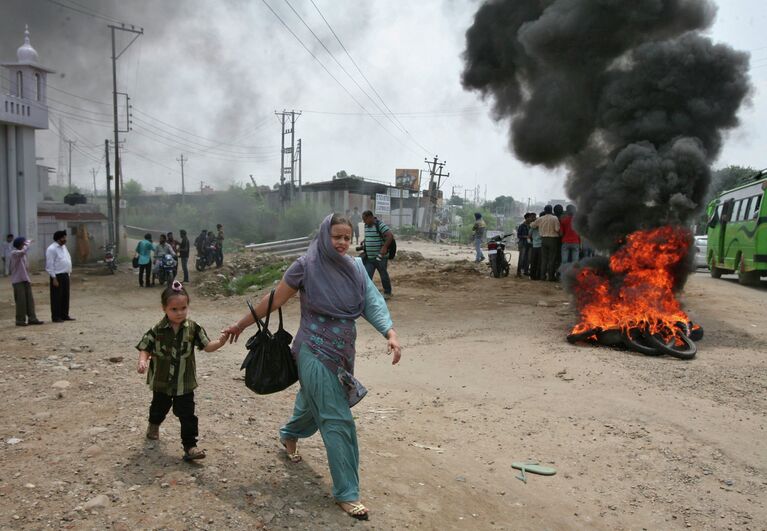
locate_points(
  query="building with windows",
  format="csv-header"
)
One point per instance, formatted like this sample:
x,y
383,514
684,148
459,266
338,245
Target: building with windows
x,y
23,110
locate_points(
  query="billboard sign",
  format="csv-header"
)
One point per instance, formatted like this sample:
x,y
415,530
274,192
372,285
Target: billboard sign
x,y
410,179
383,204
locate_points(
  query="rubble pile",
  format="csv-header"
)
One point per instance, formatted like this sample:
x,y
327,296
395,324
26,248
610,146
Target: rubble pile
x,y
215,282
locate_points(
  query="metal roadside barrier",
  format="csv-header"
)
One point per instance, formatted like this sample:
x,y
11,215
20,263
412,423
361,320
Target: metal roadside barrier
x,y
291,247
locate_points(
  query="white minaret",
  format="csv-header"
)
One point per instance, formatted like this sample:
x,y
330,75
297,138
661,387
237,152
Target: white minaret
x,y
23,109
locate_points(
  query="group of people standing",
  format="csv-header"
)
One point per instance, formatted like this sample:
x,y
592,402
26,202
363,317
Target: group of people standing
x,y
148,255
548,241
58,265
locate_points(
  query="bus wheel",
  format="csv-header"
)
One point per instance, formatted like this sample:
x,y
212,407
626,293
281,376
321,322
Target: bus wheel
x,y
715,272
748,278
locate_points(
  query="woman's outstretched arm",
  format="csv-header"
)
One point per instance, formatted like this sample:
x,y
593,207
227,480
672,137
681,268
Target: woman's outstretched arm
x,y
282,293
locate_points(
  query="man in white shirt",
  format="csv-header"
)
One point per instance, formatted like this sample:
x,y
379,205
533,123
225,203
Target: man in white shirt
x,y
58,264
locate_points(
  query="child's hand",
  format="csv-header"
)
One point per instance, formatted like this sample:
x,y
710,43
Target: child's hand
x,y
223,338
143,363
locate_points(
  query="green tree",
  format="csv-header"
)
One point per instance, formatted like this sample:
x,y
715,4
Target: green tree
x,y
456,200
729,177
132,189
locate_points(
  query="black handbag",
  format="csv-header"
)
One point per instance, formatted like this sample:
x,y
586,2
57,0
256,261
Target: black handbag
x,y
135,262
269,365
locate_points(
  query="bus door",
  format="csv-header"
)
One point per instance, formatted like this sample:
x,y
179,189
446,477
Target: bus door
x,y
724,219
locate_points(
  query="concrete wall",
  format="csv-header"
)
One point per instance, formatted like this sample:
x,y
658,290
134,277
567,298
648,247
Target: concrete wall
x,y
18,181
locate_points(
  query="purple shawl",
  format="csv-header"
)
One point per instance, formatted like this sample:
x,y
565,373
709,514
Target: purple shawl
x,y
333,283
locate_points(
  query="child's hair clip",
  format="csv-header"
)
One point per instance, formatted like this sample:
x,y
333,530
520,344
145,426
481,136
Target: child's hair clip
x,y
176,286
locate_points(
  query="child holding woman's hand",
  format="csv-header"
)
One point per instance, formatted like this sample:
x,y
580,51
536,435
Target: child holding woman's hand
x,y
166,354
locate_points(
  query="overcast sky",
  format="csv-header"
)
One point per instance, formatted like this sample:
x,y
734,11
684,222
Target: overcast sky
x,y
207,76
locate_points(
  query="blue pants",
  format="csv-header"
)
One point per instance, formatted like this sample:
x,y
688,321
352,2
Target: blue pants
x,y
371,265
478,248
570,252
322,404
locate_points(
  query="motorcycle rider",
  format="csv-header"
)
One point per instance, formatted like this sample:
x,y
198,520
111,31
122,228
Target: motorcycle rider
x,y
160,250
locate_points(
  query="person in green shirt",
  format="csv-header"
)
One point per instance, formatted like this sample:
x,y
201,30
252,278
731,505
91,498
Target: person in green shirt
x,y
166,354
144,250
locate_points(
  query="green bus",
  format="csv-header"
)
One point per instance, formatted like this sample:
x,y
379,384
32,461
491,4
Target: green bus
x,y
737,231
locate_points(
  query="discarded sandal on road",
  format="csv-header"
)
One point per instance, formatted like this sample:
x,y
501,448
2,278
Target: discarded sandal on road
x,y
533,467
354,509
294,457
193,453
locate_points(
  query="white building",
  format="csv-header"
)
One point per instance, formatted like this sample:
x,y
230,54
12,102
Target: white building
x,y
23,109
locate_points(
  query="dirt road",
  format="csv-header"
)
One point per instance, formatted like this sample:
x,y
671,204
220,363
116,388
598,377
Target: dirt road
x,y
486,379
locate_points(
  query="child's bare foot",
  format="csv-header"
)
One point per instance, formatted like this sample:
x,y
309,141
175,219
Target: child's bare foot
x,y
190,454
291,449
153,431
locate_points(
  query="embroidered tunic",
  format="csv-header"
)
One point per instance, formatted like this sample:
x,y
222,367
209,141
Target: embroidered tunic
x,y
330,339
172,367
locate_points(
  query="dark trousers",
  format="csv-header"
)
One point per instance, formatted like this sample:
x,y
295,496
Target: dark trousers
x,y
549,254
535,263
183,408
219,257
185,267
25,304
144,272
60,297
380,265
523,263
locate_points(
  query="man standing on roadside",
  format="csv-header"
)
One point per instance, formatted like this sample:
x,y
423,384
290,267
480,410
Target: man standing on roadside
x,y
58,264
378,238
356,219
548,225
524,242
571,241
22,287
183,254
220,245
478,234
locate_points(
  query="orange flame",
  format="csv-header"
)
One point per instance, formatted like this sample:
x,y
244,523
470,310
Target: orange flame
x,y
639,291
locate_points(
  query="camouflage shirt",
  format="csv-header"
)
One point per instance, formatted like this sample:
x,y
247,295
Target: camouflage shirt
x,y
172,367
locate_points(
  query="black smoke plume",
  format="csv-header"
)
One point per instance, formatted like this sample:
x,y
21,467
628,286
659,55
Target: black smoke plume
x,y
629,96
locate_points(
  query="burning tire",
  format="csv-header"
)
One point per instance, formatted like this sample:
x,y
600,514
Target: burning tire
x,y
636,341
684,351
581,336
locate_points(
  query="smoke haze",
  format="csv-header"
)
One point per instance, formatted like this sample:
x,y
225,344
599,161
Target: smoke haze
x,y
629,96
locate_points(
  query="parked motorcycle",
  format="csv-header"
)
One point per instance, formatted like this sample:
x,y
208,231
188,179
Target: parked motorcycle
x,y
166,272
207,259
497,257
109,258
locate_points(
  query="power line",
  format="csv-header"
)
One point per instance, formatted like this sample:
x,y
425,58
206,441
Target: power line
x,y
285,25
176,130
362,73
194,149
332,56
85,11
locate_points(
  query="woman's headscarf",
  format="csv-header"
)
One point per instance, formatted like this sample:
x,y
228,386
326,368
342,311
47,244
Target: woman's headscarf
x,y
333,284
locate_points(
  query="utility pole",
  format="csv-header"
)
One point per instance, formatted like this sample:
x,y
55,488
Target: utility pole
x,y
182,160
93,174
435,170
286,195
69,172
298,155
109,194
118,176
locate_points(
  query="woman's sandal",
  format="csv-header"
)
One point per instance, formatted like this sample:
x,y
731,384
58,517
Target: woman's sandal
x,y
193,453
294,457
356,510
